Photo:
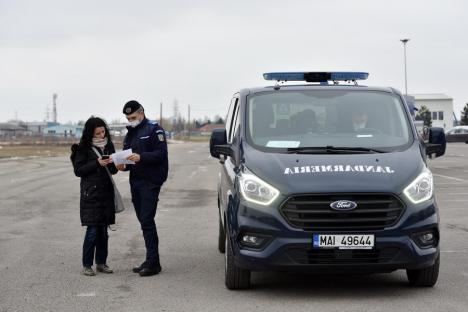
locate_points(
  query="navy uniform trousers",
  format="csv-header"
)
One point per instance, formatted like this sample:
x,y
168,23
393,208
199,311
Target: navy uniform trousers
x,y
145,200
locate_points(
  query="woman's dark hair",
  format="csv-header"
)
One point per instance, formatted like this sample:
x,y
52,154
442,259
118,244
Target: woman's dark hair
x,y
88,132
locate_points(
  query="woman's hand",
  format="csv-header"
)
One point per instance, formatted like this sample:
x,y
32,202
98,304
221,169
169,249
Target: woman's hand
x,y
104,162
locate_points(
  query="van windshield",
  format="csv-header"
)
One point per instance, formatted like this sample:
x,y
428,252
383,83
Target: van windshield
x,y
341,119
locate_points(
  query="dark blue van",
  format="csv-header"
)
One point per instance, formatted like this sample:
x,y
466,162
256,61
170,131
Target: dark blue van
x,y
325,176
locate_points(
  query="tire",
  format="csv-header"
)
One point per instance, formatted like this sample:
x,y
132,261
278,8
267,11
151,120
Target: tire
x,y
426,277
221,238
235,277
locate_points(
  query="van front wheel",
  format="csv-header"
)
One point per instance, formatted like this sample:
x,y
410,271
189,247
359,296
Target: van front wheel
x,y
235,277
221,238
426,277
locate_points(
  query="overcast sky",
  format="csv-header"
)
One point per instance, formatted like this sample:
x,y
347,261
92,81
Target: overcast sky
x,y
96,55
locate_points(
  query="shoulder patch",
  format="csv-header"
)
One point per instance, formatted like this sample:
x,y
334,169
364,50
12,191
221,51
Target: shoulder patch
x,y
161,137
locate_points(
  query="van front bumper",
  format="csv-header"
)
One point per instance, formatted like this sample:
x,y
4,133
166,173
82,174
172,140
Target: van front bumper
x,y
290,249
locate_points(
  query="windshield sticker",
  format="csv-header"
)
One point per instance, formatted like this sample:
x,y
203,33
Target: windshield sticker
x,y
283,144
339,168
364,136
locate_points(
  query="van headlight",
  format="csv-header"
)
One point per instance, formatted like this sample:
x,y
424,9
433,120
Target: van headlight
x,y
421,188
256,190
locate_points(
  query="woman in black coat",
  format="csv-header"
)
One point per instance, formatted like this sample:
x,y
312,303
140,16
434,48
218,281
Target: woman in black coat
x,y
97,209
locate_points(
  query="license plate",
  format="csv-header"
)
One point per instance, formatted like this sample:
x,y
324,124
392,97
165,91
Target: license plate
x,y
344,241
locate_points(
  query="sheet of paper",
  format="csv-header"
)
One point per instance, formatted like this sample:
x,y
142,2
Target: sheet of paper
x,y
121,157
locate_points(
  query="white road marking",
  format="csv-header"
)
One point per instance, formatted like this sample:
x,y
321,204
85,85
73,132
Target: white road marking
x,y
454,251
191,152
450,178
90,294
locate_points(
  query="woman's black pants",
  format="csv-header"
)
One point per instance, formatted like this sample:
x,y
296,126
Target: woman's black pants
x,y
96,238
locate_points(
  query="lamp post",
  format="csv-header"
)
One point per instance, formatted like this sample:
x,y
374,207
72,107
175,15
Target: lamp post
x,y
406,80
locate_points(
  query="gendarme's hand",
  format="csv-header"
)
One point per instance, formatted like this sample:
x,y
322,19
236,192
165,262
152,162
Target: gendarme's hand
x,y
120,167
104,162
134,157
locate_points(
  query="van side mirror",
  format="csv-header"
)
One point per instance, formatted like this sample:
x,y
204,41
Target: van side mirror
x,y
218,144
437,143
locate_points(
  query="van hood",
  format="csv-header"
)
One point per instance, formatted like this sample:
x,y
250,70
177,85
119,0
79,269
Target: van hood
x,y
329,173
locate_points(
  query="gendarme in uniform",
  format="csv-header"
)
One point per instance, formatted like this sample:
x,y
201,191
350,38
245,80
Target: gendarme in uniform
x,y
148,140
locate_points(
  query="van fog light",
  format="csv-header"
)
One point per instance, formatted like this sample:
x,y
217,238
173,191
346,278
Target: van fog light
x,y
250,239
254,241
426,239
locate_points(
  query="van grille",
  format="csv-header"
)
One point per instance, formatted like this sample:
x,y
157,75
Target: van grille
x,y
313,212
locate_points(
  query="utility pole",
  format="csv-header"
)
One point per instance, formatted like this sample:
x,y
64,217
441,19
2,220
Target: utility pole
x,y
189,122
54,108
405,41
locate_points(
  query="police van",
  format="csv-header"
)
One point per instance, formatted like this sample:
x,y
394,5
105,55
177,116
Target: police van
x,y
325,175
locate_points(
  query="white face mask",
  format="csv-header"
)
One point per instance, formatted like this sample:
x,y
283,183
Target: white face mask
x,y
133,123
100,142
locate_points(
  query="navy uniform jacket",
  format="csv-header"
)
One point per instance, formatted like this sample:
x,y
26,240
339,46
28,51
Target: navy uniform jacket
x,y
148,140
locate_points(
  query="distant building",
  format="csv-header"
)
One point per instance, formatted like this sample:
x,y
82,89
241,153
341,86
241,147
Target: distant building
x,y
11,130
208,128
440,106
118,129
36,127
64,131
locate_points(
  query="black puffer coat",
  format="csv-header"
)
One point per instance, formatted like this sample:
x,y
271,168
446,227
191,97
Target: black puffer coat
x,y
97,192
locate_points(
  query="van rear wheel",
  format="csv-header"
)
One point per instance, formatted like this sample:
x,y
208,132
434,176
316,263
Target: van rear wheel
x,y
235,277
426,277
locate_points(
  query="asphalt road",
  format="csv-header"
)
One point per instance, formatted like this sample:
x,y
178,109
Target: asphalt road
x,y
41,240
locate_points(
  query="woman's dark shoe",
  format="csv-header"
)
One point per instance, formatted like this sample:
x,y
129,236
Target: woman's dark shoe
x,y
140,267
88,271
103,268
150,270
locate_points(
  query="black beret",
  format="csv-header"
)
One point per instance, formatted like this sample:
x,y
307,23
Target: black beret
x,y
131,106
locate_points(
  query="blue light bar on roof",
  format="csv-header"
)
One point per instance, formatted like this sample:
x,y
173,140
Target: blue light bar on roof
x,y
316,76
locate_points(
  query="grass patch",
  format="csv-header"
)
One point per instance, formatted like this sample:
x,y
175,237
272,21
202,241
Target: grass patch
x,y
8,151
192,138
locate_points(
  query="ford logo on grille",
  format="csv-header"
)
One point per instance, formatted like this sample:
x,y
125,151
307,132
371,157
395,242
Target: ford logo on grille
x,y
343,205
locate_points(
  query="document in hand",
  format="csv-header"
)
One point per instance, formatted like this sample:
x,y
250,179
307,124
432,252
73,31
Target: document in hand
x,y
121,157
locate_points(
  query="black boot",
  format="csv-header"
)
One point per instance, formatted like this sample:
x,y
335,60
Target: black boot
x,y
151,269
140,267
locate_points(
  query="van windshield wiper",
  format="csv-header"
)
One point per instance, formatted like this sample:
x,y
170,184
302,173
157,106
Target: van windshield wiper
x,y
332,150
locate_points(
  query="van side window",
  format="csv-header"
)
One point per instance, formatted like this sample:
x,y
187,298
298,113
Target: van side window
x,y
230,119
235,124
